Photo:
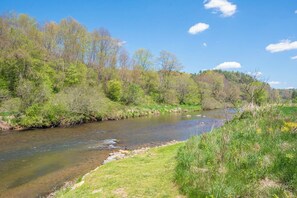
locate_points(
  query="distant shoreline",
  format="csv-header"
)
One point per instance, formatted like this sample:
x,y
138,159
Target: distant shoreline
x,y
130,113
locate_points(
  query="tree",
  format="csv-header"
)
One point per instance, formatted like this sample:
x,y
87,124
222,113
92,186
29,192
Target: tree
x,y
133,94
211,88
51,38
274,96
294,96
124,66
73,40
231,94
103,52
186,89
256,92
168,62
143,59
75,74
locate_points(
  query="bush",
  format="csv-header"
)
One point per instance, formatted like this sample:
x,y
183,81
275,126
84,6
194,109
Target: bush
x,y
210,103
170,97
12,105
33,117
133,95
114,90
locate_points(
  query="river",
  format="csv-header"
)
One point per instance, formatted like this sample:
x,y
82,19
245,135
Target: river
x,y
36,162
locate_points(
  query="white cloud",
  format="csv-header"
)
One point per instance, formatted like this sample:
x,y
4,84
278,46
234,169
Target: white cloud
x,y
204,44
224,6
197,28
284,45
290,88
255,74
228,65
274,83
122,43
295,11
294,58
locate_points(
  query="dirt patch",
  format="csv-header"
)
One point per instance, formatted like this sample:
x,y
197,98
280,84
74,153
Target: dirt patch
x,y
120,192
268,183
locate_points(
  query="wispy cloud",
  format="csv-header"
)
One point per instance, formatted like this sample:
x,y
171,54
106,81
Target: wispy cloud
x,y
228,65
294,58
224,6
122,43
295,11
197,28
255,74
204,44
284,45
290,88
274,83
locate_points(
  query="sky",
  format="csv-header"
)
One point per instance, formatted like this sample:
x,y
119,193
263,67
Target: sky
x,y
256,37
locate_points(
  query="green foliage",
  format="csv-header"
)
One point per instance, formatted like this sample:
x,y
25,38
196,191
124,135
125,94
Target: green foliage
x,y
133,94
229,89
294,96
187,90
261,97
32,92
75,74
252,156
12,105
114,90
43,63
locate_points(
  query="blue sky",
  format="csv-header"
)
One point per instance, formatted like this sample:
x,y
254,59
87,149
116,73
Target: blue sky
x,y
241,35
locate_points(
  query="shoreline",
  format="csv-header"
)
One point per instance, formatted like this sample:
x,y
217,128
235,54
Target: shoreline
x,y
130,113
116,155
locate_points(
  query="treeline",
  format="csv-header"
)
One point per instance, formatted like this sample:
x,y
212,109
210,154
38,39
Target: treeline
x,y
219,89
59,73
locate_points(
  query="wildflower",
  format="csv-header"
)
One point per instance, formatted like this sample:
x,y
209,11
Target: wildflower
x,y
289,127
289,156
259,130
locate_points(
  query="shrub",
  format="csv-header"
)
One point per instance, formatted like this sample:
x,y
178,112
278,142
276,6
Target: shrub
x,y
12,105
133,94
114,90
33,117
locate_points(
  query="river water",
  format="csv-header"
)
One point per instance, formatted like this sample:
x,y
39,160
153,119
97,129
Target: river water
x,y
36,162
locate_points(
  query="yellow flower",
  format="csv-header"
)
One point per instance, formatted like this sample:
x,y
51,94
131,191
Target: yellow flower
x,y
259,131
289,127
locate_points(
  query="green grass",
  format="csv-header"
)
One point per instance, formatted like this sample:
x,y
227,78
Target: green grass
x,y
146,175
289,111
252,156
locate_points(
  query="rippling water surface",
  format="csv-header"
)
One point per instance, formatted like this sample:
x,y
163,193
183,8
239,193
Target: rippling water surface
x,y
35,162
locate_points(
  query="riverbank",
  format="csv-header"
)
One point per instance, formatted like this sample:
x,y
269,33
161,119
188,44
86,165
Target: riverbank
x,y
152,169
11,122
254,155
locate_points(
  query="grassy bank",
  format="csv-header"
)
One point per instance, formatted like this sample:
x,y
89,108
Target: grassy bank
x,y
44,116
252,156
150,174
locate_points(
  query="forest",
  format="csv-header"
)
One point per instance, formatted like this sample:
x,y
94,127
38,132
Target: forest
x,y
59,74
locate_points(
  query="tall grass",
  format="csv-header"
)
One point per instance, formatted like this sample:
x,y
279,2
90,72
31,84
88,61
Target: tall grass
x,y
252,156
